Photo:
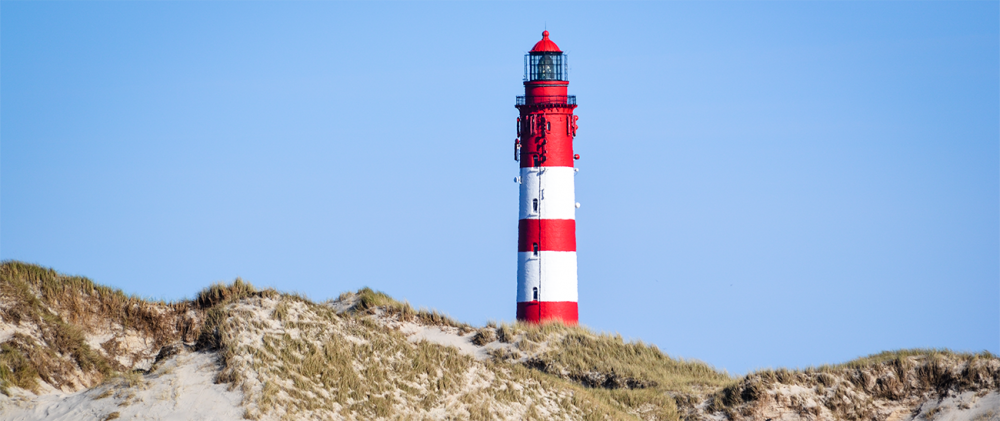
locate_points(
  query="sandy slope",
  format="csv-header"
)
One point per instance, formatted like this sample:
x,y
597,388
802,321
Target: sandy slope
x,y
180,388
968,406
449,336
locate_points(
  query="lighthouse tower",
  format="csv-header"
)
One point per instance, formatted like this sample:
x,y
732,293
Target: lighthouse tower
x,y
546,250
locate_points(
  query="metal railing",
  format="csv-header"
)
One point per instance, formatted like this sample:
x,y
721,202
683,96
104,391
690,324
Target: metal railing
x,y
556,99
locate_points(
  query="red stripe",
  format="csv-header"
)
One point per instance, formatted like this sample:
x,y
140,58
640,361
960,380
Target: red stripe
x,y
546,140
549,234
540,311
557,152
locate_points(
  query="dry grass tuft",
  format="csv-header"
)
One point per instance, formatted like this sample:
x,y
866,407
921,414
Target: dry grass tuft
x,y
16,370
220,293
484,336
370,302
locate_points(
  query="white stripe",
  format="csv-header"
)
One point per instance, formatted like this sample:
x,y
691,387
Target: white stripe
x,y
553,188
552,272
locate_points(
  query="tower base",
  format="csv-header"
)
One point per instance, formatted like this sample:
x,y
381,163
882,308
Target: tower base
x,y
541,311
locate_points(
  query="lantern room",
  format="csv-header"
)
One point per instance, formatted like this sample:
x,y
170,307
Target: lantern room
x,y
545,62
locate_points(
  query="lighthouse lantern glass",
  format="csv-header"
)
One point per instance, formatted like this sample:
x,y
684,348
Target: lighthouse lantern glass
x,y
545,66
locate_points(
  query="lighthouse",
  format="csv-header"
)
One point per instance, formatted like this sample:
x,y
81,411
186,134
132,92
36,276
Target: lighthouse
x,y
546,229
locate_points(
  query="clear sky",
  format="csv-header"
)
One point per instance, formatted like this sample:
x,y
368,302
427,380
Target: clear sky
x,y
762,184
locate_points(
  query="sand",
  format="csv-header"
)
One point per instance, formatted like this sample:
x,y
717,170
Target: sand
x,y
180,388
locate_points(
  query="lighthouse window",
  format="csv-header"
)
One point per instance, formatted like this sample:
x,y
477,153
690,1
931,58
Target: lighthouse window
x,y
534,293
534,204
548,65
535,247
548,126
535,158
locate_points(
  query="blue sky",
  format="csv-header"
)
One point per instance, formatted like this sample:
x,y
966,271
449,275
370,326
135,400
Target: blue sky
x,y
762,184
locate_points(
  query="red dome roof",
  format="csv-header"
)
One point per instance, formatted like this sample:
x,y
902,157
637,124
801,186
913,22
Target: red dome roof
x,y
545,45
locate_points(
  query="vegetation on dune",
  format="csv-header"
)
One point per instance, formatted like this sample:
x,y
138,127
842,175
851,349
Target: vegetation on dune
x,y
220,293
898,356
632,377
369,301
607,361
296,359
631,373
16,369
60,311
59,348
849,390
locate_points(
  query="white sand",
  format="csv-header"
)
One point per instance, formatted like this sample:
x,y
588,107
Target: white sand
x,y
446,336
963,407
180,389
450,336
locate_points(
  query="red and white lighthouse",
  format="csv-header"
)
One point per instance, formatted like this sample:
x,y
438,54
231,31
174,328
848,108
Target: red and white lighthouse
x,y
546,251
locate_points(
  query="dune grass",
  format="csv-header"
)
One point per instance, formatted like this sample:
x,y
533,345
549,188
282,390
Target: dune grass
x,y
296,359
16,370
59,347
631,377
220,293
368,301
848,389
313,363
901,354
63,309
